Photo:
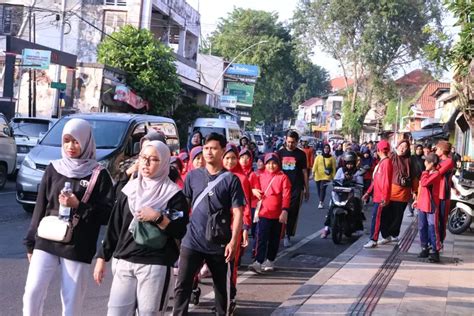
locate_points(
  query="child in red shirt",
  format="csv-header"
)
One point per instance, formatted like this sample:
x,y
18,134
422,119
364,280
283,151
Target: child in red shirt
x,y
274,192
427,203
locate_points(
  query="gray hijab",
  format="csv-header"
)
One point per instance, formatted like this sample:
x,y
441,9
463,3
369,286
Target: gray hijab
x,y
83,165
154,191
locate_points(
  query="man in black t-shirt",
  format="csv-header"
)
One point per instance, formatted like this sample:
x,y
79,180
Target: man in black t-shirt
x,y
294,165
226,196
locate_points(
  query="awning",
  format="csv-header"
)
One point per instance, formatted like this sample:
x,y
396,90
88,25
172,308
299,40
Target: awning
x,y
436,132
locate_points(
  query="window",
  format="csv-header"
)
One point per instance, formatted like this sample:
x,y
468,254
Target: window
x,y
336,106
113,21
107,134
115,2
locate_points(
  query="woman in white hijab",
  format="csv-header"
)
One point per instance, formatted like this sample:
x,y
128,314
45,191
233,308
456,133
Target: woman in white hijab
x,y
143,275
76,166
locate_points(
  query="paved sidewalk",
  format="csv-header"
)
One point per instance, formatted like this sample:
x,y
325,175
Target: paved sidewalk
x,y
391,280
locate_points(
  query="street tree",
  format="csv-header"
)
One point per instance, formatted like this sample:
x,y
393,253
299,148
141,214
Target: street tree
x,y
149,65
283,71
370,39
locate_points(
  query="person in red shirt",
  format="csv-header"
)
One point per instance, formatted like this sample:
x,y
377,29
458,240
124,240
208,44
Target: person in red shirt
x,y
196,159
445,169
176,175
274,192
381,188
309,152
427,203
231,163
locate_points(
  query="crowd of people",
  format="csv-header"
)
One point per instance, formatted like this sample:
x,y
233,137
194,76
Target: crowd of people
x,y
201,209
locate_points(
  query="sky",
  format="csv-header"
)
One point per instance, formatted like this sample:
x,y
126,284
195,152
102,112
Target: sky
x,y
212,10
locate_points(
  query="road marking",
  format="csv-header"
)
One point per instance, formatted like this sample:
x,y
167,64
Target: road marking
x,y
9,192
247,274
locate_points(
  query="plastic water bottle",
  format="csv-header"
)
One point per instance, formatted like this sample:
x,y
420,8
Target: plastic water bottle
x,y
65,211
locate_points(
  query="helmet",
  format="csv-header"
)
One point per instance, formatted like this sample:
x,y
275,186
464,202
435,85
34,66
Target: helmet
x,y
349,156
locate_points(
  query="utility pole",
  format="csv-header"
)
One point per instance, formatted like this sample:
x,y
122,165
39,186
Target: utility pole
x,y
34,70
57,77
30,104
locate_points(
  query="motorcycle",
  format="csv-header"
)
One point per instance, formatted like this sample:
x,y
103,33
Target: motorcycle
x,y
462,202
345,209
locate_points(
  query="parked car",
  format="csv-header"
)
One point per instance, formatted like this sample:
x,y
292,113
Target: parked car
x,y
117,137
7,151
27,132
228,128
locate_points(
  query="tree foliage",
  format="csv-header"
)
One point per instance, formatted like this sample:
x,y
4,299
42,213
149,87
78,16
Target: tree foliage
x,y
149,64
285,76
371,39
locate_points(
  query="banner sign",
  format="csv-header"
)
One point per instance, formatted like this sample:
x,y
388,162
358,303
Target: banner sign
x,y
229,101
243,92
243,70
10,19
36,59
124,94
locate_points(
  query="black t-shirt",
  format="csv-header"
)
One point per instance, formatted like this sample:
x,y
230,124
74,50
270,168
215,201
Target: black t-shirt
x,y
225,195
293,163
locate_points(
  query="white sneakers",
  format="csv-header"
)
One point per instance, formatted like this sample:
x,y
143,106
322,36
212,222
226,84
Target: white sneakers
x,y
394,239
268,266
320,205
370,244
256,267
286,242
384,241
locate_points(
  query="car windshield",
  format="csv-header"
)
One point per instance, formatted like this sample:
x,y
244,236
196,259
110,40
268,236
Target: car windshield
x,y
29,128
207,130
107,134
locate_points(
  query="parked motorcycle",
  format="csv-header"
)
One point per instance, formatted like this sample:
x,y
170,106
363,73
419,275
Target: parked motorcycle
x,y
462,203
346,209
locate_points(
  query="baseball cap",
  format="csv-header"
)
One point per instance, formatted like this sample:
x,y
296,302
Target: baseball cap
x,y
383,145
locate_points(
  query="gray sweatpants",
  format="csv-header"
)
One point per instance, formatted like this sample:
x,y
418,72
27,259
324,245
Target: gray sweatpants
x,y
143,288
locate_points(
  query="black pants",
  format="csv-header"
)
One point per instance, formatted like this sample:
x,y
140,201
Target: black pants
x,y
322,186
392,218
190,262
443,213
268,239
293,211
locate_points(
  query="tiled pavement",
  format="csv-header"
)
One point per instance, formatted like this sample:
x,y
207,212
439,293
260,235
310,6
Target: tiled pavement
x,y
415,286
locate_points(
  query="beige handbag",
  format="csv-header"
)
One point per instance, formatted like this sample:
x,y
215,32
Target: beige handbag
x,y
55,229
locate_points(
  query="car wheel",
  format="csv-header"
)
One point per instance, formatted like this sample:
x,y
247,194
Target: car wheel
x,y
29,208
3,176
459,221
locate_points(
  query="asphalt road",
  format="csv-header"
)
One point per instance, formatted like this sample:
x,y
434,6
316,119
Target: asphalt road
x,y
257,294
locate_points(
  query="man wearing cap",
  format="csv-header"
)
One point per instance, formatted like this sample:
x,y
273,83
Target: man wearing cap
x,y
381,187
446,167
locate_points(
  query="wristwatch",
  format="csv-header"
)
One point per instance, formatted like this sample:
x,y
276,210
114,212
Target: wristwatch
x,y
159,219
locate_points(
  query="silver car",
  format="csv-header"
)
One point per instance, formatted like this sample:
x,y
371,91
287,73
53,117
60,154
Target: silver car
x,y
27,132
117,137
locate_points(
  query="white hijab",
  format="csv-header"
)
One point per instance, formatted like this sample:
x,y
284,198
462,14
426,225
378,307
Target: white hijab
x,y
83,165
154,191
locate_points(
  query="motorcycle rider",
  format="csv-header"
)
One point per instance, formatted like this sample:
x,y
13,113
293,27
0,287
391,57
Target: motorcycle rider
x,y
348,172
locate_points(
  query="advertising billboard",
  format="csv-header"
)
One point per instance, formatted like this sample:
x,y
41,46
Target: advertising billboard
x,y
243,92
243,70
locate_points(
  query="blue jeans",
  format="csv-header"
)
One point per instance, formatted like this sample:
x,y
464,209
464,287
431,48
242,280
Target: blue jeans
x,y
428,230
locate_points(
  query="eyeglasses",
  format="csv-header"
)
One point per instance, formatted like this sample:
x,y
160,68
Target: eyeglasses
x,y
152,160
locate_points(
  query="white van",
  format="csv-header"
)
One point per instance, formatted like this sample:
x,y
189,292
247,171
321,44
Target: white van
x,y
228,128
7,151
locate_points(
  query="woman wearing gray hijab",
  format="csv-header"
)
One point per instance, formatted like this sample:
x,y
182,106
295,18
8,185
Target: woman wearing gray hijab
x,y
142,273
73,258
129,168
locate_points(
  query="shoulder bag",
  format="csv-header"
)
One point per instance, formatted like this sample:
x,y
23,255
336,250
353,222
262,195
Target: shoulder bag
x,y
218,224
259,203
327,170
55,229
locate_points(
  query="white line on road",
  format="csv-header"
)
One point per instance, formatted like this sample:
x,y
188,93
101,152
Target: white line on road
x,y
247,274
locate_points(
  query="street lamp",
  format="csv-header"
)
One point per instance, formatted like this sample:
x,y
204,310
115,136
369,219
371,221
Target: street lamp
x,y
232,61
